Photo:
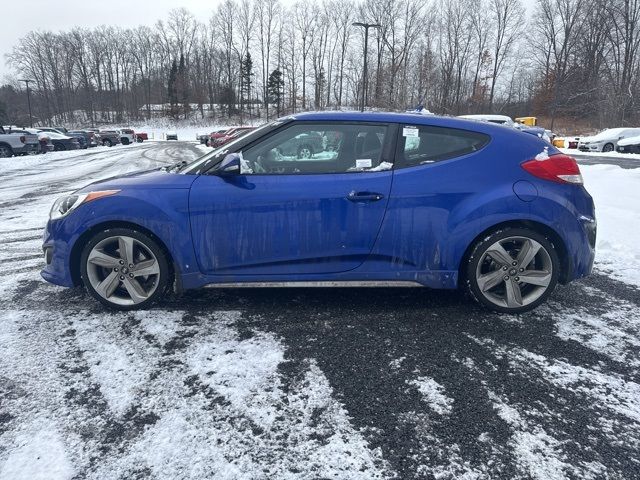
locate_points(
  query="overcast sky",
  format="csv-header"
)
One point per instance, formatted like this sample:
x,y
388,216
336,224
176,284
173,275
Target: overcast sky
x,y
61,15
56,15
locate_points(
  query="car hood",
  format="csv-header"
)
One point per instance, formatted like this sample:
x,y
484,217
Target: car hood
x,y
150,179
591,140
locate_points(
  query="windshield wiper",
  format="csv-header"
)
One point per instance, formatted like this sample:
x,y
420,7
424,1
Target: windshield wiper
x,y
176,167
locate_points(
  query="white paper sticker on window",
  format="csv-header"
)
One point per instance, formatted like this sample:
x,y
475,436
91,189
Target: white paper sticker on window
x,y
409,132
363,163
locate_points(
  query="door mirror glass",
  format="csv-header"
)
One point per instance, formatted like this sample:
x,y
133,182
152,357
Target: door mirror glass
x,y
230,165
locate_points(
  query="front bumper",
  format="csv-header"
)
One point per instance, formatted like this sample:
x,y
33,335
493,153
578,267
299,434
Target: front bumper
x,y
56,257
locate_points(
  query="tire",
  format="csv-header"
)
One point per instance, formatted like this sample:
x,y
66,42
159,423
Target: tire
x,y
496,283
608,147
59,147
109,276
107,143
6,151
140,140
124,140
305,151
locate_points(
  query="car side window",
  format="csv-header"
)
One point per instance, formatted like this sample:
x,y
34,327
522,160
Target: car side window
x,y
311,148
427,144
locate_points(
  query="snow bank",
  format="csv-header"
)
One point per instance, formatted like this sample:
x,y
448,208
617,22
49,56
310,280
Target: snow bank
x,y
616,194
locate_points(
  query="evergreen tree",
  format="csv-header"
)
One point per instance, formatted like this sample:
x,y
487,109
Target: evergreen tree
x,y
275,89
183,87
246,72
3,113
172,90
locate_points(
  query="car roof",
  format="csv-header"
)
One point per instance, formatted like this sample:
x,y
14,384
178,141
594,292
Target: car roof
x,y
406,118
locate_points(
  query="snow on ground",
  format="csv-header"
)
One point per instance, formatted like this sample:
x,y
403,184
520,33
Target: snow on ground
x,y
349,384
616,193
434,394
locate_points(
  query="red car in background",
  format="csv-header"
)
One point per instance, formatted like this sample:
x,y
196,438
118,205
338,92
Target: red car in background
x,y
141,137
229,135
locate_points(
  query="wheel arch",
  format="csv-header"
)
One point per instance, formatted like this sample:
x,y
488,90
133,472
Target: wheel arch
x,y
548,232
78,246
4,144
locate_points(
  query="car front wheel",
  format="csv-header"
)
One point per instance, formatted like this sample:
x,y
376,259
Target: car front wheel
x,y
608,147
124,269
512,270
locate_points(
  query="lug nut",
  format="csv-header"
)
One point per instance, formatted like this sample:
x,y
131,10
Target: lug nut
x,y
522,269
115,269
514,263
121,262
517,279
121,277
131,265
131,275
506,277
505,268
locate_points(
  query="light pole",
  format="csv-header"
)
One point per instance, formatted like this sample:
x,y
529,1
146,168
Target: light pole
x,y
366,27
29,100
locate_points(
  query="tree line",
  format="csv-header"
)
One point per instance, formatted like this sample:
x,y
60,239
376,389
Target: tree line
x,y
575,59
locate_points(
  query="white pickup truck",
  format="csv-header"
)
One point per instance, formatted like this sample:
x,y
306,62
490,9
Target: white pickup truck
x,y
17,143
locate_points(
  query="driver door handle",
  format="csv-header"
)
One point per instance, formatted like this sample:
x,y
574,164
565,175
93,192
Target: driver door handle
x,y
364,196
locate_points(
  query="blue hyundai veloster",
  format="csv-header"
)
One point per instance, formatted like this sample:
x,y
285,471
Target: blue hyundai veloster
x,y
336,199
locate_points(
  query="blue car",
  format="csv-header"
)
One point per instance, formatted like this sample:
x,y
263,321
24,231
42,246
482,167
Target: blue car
x,y
390,200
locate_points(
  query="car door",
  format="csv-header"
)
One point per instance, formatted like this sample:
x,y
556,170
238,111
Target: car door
x,y
290,215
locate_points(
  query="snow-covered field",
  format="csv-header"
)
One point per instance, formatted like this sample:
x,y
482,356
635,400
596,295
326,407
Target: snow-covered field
x,y
347,384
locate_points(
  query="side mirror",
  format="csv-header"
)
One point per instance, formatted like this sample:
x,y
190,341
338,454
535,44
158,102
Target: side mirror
x,y
230,165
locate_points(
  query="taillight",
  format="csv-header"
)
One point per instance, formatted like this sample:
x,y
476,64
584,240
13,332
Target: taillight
x,y
557,168
23,139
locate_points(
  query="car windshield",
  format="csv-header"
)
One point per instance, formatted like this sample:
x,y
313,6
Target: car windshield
x,y
207,161
611,132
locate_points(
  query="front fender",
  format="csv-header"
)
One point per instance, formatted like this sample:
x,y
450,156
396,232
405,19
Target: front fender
x,y
163,212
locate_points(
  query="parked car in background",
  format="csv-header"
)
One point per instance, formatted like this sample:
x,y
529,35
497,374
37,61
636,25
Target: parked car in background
x,y
208,140
172,136
63,142
629,145
304,145
109,138
229,135
17,142
508,122
127,136
61,131
141,137
456,207
607,140
84,139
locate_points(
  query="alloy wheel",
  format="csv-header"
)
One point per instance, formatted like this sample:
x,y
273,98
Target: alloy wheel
x,y
305,152
514,272
123,270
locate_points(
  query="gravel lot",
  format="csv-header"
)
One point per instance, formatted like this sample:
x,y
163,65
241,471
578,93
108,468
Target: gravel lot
x,y
300,383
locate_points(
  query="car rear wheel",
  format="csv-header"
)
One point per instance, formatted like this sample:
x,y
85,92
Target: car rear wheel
x,y
5,151
124,269
60,147
107,143
608,147
512,270
305,152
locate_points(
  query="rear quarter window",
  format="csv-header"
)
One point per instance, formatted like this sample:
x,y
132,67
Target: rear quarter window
x,y
427,144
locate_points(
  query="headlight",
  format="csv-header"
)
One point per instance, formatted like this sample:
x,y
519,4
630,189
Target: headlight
x,y
63,206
